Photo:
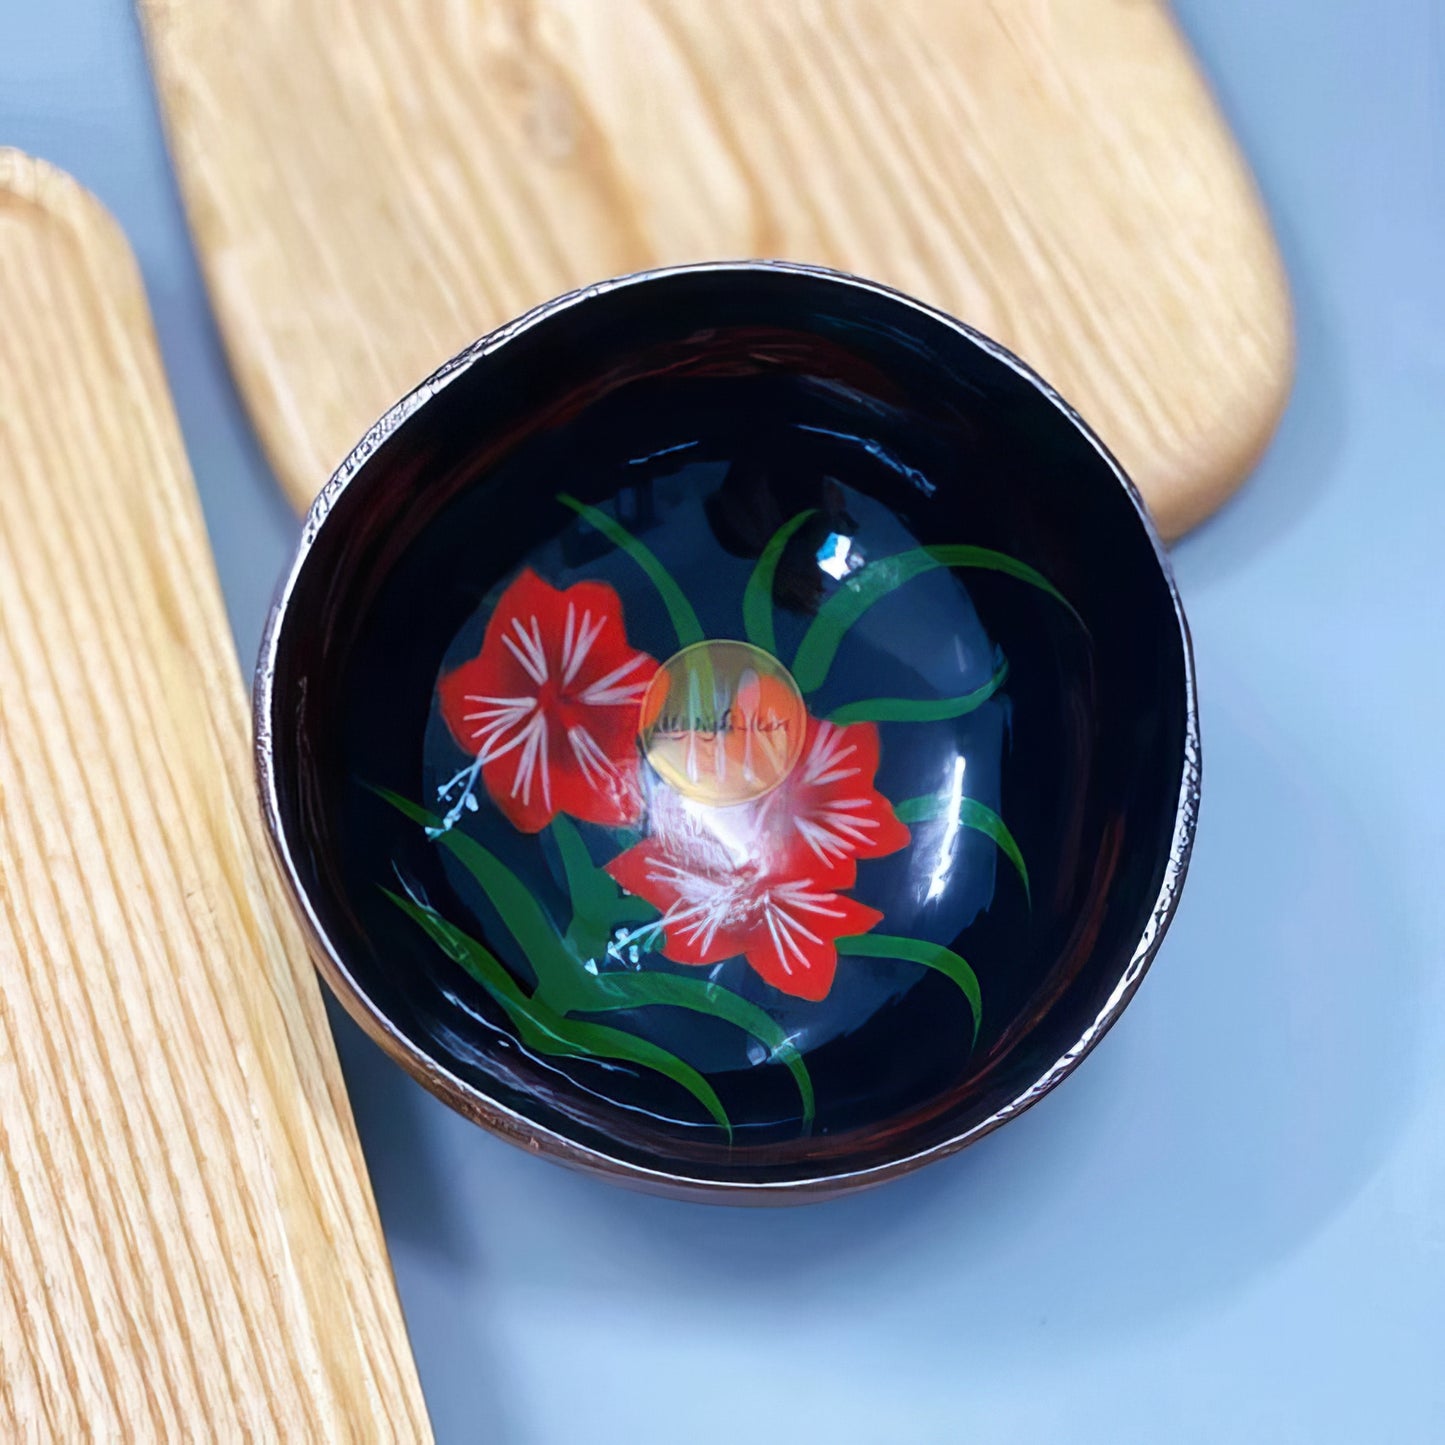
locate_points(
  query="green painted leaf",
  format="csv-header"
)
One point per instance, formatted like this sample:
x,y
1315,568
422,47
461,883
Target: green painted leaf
x,y
520,912
598,904
907,709
971,814
475,957
589,1040
982,818
592,892
637,990
590,889
875,581
758,594
629,908
923,809
679,609
548,1033
930,955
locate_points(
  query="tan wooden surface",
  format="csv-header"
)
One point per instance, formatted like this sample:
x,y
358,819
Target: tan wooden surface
x,y
189,1249
374,183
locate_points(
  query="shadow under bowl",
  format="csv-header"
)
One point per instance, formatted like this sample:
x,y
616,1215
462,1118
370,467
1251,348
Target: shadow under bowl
x,y
792,911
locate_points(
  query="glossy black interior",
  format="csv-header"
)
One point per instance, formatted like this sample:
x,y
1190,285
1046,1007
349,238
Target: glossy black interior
x,y
757,393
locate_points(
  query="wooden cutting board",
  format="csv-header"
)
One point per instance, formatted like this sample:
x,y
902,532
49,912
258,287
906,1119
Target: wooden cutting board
x,y
372,185
188,1244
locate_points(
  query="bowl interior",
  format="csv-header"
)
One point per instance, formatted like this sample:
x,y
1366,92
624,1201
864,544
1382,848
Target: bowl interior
x,y
977,620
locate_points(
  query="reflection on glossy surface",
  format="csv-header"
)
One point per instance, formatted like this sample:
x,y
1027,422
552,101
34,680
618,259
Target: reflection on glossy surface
x,y
726,883
757,800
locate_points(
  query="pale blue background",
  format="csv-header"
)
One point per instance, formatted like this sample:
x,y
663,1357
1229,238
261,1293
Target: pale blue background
x,y
1230,1226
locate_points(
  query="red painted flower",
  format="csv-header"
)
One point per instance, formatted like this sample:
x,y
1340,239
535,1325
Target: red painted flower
x,y
549,707
827,813
719,901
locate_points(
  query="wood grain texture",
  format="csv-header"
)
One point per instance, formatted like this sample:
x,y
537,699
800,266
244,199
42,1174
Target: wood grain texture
x,y
372,185
189,1249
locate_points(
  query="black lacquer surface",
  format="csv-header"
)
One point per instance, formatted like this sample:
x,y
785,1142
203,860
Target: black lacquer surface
x,y
702,409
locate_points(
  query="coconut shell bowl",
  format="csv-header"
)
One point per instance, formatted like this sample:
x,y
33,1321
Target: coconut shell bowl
x,y
732,729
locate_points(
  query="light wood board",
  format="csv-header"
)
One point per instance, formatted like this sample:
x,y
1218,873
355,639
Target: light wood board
x,y
372,184
189,1249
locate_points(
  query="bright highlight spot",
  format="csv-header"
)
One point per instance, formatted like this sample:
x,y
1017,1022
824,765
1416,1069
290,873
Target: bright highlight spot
x,y
949,842
833,555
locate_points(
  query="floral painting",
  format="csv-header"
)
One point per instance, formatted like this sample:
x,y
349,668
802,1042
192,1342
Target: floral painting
x,y
740,818
548,708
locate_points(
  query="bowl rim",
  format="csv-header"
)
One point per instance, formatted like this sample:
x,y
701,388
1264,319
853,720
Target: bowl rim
x,y
515,1126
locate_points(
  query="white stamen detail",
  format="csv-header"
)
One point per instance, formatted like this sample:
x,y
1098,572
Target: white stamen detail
x,y
493,721
533,759
820,840
585,638
704,906
523,702
488,713
783,928
532,641
778,943
842,825
827,752
493,732
596,766
534,667
567,634
466,780
495,748
809,902
575,649
609,692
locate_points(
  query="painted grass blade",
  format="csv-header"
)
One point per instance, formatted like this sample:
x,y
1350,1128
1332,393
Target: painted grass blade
x,y
599,1041
983,819
906,709
547,1032
591,890
875,581
971,814
637,990
679,609
598,904
930,955
475,957
758,594
523,916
